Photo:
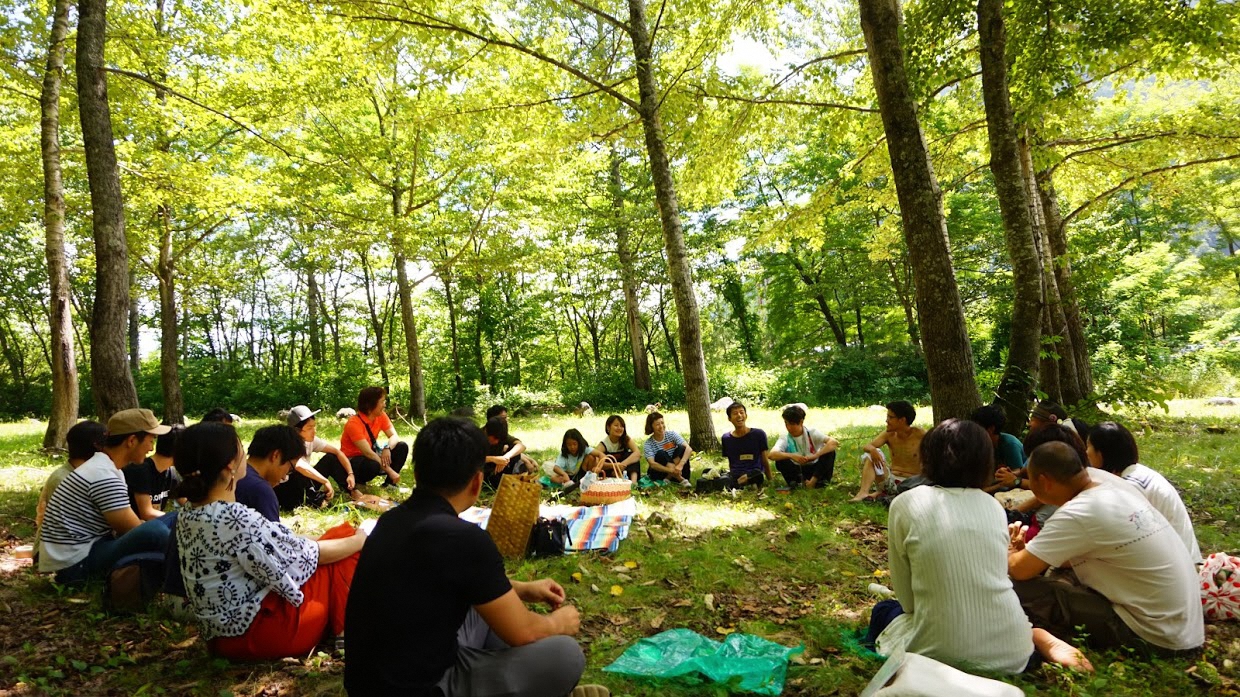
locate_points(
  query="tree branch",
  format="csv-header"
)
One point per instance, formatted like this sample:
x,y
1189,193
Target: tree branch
x,y
435,24
1159,170
604,16
791,102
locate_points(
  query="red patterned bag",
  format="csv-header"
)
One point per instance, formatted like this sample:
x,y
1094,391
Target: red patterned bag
x,y
1220,587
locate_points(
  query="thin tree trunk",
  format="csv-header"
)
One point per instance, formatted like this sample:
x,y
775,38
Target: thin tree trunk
x,y
135,325
1056,330
1015,392
376,322
697,386
417,388
667,334
111,380
945,338
456,351
641,369
64,362
905,295
169,377
312,316
837,329
1067,288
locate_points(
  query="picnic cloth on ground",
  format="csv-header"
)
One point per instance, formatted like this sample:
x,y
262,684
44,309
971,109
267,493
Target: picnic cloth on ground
x,y
589,527
743,661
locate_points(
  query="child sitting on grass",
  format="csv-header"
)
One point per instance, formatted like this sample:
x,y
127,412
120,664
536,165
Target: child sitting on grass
x,y
574,461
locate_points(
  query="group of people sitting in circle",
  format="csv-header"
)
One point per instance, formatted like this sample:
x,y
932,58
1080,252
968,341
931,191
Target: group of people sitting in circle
x,y
1106,546
803,455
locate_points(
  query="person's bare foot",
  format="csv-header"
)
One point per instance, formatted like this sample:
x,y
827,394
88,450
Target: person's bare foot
x,y
861,496
811,483
1057,651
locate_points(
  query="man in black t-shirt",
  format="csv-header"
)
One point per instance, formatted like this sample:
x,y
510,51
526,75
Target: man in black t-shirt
x,y
431,611
504,453
150,481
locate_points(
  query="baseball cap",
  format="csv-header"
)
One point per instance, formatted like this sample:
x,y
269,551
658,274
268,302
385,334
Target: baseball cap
x,y
129,421
300,413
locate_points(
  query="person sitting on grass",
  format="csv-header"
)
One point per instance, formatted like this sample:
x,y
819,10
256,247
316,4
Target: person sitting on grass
x,y
947,549
1111,447
151,480
1048,413
89,525
745,448
1130,584
220,415
903,440
84,440
272,453
473,633
618,451
503,452
1009,453
257,590
574,460
360,444
306,485
804,455
667,453
497,411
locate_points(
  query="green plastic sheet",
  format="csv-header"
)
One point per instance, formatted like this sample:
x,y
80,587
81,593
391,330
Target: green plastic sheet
x,y
746,662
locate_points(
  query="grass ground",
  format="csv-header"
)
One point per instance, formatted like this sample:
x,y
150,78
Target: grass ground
x,y
791,568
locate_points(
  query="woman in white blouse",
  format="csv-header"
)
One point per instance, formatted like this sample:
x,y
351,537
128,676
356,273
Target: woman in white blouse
x,y
947,547
258,591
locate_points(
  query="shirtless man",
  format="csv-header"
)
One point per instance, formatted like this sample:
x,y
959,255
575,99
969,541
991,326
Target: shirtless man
x,y
903,440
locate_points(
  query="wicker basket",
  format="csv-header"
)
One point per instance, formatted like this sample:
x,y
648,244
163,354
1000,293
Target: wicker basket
x,y
514,512
606,491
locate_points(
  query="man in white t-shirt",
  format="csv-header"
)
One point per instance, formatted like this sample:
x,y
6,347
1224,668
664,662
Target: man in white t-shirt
x,y
803,455
89,524
1137,588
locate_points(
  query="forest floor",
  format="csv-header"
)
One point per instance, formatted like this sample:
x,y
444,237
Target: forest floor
x,y
791,568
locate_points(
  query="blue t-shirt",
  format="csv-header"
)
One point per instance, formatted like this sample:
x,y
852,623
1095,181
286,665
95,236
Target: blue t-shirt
x,y
1009,452
255,492
570,463
744,453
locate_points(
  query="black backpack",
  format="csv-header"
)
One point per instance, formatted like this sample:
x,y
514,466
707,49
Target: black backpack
x,y
547,538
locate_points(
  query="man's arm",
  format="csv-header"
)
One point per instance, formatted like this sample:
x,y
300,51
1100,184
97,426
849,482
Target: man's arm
x,y
144,508
1022,565
874,447
516,625
517,448
122,520
766,465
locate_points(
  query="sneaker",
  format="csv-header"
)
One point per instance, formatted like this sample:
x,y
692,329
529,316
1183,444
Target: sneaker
x,y
686,483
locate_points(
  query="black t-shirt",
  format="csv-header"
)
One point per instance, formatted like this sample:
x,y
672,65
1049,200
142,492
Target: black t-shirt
x,y
744,453
255,492
145,478
420,572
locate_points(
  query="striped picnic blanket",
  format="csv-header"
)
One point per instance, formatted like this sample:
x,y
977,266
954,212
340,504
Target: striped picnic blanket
x,y
589,527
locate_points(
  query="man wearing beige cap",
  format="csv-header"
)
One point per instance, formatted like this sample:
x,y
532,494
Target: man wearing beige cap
x,y
89,524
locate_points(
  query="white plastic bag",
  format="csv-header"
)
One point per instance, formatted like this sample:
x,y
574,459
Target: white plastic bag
x,y
1220,587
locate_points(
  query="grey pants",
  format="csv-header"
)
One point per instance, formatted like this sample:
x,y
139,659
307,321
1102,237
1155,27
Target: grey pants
x,y
487,667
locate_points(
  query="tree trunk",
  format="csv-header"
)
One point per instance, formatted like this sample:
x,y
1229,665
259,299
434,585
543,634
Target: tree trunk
x,y
641,368
376,322
169,376
905,295
667,334
135,325
456,350
312,316
697,387
417,388
1067,289
64,362
945,338
1015,392
111,380
1060,345
837,329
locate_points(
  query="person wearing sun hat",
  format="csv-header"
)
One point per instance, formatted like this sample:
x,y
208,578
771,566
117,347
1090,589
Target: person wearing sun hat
x,y
89,524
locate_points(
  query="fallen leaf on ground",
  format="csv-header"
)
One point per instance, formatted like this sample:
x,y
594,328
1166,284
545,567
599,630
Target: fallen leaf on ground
x,y
595,588
682,603
725,630
617,590
710,601
657,621
577,577
185,644
631,564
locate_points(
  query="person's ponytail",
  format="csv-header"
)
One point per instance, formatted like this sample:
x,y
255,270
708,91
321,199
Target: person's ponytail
x,y
203,451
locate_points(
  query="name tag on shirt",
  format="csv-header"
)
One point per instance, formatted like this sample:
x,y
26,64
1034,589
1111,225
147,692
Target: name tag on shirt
x,y
746,457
